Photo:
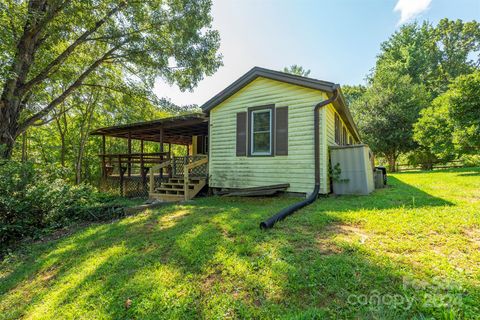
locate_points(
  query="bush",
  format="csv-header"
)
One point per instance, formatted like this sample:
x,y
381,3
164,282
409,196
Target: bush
x,y
425,159
37,199
471,160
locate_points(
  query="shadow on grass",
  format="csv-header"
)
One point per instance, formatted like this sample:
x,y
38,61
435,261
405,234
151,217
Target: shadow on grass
x,y
469,174
210,260
398,194
445,170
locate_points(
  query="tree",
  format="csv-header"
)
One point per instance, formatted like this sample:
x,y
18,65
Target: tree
x,y
433,131
432,55
50,48
353,94
464,110
297,70
452,123
386,114
423,59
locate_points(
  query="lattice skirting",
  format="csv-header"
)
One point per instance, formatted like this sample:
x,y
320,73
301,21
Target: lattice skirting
x,y
133,187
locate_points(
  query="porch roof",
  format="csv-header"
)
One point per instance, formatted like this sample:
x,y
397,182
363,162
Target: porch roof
x,y
176,130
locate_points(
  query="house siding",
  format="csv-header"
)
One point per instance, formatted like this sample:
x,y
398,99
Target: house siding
x,y
297,168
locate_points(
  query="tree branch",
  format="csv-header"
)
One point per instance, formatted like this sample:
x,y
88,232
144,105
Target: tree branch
x,y
28,44
68,51
32,119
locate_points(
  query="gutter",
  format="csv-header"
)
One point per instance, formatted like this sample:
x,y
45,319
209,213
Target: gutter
x,y
270,222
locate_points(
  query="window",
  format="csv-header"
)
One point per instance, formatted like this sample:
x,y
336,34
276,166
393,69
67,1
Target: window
x,y
261,132
337,129
344,135
350,140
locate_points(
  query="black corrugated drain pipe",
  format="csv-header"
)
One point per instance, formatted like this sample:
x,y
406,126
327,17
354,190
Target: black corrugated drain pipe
x,y
314,195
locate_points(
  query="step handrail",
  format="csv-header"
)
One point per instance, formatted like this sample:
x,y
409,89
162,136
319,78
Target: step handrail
x,y
162,165
186,173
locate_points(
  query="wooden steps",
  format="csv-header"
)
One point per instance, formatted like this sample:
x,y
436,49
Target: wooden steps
x,y
174,189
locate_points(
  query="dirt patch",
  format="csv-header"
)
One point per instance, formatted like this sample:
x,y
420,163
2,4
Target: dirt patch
x,y
151,224
166,221
327,241
473,235
47,275
353,232
326,246
210,281
62,233
171,219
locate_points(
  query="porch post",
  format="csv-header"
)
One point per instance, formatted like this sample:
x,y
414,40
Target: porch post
x,y
104,165
161,150
170,159
143,174
129,147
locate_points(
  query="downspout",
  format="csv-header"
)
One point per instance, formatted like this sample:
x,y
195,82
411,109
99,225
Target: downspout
x,y
313,196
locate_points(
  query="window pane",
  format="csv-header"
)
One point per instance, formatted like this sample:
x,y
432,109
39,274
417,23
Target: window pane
x,y
261,142
261,121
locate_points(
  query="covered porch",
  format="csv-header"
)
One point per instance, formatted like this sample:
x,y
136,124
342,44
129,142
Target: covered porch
x,y
176,169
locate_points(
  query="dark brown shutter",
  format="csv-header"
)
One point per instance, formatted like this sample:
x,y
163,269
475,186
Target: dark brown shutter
x,y
281,131
241,134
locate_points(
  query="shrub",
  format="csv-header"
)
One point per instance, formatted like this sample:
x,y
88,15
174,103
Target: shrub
x,y
471,160
426,159
35,199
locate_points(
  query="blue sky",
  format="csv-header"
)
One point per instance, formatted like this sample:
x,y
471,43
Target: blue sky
x,y
337,40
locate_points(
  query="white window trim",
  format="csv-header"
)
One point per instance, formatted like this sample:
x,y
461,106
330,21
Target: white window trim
x,y
269,131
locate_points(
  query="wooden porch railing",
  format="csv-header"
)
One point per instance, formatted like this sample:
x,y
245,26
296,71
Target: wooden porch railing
x,y
186,172
126,161
198,161
125,165
152,173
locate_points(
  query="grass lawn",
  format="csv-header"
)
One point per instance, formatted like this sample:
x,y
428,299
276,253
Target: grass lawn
x,y
409,251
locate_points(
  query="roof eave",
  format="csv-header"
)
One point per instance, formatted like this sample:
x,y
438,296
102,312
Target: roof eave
x,y
269,74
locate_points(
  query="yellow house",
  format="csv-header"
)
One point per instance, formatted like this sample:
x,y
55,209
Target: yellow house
x,y
268,128
261,131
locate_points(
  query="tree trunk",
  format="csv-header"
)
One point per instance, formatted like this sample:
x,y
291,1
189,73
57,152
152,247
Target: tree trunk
x,y
62,151
24,146
84,134
6,147
8,131
61,131
392,163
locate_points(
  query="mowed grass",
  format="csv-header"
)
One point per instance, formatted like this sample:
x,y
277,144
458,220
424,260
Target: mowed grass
x,y
409,251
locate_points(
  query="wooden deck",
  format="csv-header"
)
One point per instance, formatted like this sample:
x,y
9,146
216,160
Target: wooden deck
x,y
179,178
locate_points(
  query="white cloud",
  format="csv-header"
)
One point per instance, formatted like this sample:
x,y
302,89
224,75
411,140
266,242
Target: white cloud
x,y
409,9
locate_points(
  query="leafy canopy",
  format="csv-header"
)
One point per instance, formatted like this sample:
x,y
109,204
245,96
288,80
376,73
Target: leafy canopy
x,y
297,70
50,48
452,123
387,111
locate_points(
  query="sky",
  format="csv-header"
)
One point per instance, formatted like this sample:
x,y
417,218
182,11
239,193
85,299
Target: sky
x,y
337,40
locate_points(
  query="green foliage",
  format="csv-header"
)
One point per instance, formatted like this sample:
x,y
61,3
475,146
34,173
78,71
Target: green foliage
x,y
424,158
353,93
416,65
471,160
297,70
451,125
34,199
434,130
432,55
386,113
49,52
335,173
464,111
349,257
